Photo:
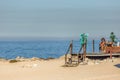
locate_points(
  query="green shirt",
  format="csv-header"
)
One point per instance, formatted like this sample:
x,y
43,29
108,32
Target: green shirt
x,y
83,39
112,37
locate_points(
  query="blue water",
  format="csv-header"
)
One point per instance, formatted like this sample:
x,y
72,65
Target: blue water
x,y
40,49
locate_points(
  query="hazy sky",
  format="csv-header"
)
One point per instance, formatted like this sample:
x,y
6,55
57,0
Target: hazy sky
x,y
58,18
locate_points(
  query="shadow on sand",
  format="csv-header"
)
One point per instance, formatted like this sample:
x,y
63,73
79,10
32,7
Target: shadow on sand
x,y
117,65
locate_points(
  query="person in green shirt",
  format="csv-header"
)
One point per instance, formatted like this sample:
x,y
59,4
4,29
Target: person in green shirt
x,y
83,41
112,37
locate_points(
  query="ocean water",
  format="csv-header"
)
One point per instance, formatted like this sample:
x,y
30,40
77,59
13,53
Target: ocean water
x,y
40,49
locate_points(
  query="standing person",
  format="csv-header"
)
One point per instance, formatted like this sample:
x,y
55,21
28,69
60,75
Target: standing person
x,y
83,42
112,37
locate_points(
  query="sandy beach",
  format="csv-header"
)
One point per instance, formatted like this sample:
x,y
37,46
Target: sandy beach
x,y
53,70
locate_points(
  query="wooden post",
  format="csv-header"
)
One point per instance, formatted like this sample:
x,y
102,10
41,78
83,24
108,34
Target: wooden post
x,y
65,58
84,52
93,48
71,47
71,50
110,53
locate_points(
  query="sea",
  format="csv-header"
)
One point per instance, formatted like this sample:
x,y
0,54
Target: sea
x,y
41,48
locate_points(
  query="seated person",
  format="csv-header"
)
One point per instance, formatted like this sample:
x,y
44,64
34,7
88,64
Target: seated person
x,y
102,44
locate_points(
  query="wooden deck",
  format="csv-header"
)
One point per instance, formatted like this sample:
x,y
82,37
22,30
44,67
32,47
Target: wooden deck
x,y
98,55
102,55
109,52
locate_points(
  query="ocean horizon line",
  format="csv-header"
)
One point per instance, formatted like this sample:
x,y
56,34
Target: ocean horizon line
x,y
46,38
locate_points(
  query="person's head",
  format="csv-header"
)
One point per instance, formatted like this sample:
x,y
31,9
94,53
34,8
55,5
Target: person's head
x,y
103,39
112,32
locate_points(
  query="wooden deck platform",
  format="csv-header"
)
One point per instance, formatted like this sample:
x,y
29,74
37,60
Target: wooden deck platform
x,y
80,57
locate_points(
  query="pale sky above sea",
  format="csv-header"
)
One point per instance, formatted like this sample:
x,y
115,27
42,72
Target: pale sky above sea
x,y
59,18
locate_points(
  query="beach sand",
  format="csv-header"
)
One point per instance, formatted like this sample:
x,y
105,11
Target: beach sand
x,y
53,70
